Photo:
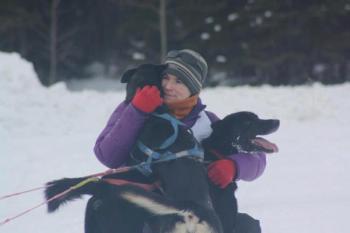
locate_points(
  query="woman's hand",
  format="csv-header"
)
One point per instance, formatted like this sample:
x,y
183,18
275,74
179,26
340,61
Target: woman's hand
x,y
222,172
147,99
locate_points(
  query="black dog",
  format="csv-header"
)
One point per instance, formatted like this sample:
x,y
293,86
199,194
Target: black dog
x,y
235,133
185,205
146,74
238,132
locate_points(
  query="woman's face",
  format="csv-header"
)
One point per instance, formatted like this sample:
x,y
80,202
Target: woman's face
x,y
174,89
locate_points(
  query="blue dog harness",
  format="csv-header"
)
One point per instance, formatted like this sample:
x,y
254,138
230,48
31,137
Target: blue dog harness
x,y
174,123
155,157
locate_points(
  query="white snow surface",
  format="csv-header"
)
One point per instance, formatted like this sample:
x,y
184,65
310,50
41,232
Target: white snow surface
x,y
49,133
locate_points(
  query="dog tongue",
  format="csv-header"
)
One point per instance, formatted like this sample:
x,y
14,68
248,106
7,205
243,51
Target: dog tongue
x,y
265,144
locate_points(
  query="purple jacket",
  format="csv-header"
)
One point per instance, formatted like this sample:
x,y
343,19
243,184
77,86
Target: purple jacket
x,y
117,138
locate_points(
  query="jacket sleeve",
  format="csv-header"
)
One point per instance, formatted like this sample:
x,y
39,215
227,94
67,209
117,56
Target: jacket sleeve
x,y
117,138
250,166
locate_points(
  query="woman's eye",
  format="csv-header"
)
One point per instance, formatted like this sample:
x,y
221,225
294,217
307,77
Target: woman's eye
x,y
179,81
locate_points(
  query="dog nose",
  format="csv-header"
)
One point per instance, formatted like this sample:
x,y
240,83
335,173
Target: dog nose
x,y
276,123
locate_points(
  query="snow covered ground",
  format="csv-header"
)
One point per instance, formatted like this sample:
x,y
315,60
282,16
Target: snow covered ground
x,y
49,133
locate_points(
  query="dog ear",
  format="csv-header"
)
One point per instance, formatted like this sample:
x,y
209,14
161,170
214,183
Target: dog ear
x,y
127,75
162,67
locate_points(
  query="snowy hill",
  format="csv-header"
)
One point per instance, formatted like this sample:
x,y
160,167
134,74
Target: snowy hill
x,y
49,133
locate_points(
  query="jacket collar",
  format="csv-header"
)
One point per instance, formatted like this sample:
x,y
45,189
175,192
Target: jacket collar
x,y
194,114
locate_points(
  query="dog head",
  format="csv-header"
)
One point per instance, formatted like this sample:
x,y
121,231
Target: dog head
x,y
239,132
146,74
157,131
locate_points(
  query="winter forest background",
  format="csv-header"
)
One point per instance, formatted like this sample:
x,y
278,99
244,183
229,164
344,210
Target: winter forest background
x,y
245,41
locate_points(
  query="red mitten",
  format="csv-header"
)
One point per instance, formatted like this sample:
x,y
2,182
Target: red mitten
x,y
147,99
222,172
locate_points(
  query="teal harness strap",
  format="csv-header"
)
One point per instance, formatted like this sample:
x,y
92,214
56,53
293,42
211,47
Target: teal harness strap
x,y
154,157
174,123
145,167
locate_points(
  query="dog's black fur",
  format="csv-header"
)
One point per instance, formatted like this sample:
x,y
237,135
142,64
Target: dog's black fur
x,y
238,132
235,133
183,180
186,199
146,74
186,205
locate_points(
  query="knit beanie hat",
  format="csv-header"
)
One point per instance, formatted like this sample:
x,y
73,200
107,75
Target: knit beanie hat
x,y
189,66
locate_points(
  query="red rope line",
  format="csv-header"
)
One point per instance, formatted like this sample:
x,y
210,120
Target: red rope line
x,y
108,172
37,206
23,192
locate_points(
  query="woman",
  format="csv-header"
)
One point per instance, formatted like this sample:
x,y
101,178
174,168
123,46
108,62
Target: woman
x,y
181,83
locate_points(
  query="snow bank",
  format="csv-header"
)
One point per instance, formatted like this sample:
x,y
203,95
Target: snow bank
x,y
49,133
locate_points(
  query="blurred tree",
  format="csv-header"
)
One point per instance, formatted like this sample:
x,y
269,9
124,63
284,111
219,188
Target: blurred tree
x,y
41,33
53,41
288,42
245,41
16,20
